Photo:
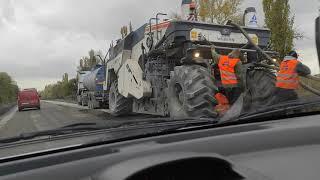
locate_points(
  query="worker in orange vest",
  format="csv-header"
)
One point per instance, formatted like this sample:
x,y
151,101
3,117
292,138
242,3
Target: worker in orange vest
x,y
223,104
288,78
230,68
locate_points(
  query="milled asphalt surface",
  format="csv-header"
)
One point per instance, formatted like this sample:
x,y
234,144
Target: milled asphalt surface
x,y
57,114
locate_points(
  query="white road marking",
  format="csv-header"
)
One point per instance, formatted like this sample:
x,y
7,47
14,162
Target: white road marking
x,y
8,116
74,105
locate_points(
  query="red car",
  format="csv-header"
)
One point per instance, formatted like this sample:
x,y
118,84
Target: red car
x,y
28,98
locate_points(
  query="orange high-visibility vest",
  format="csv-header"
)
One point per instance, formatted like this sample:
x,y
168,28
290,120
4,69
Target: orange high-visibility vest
x,y
287,77
227,71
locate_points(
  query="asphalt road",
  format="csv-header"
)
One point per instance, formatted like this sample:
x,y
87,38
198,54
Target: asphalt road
x,y
57,114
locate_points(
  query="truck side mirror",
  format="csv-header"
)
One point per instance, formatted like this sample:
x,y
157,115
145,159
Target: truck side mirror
x,y
318,37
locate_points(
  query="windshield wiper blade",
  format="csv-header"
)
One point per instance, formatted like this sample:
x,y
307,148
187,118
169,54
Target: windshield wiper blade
x,y
160,129
159,120
79,125
279,110
53,132
86,127
190,125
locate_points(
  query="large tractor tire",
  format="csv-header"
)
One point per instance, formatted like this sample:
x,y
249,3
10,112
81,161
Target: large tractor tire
x,y
191,92
260,89
118,104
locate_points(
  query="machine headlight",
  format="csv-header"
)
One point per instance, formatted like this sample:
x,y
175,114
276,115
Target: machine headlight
x,y
196,54
254,38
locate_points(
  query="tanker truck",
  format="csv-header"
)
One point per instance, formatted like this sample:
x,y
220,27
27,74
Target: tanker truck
x,y
94,94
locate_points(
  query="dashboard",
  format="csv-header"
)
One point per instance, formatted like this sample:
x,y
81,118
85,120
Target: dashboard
x,y
286,149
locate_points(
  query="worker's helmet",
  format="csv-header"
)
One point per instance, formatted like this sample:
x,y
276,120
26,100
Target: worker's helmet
x,y
293,54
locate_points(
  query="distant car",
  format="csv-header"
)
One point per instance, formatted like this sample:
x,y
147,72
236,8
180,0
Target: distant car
x,y
28,98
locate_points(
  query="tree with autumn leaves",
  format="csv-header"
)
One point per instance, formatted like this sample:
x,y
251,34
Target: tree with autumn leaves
x,y
279,20
219,11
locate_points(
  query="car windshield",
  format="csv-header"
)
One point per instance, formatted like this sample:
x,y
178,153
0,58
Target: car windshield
x,y
69,66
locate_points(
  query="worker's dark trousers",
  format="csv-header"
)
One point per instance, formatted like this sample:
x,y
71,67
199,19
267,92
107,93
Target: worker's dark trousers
x,y
232,94
284,95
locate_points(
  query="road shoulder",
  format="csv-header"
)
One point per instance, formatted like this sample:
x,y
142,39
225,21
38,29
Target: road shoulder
x,y
6,117
4,108
73,105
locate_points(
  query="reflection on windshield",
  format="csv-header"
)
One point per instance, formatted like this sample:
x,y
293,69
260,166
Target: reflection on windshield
x,y
194,60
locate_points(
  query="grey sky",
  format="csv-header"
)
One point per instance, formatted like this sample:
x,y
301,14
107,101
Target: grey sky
x,y
42,39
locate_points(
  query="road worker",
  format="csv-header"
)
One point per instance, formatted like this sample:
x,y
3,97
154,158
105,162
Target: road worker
x,y
230,68
288,78
223,104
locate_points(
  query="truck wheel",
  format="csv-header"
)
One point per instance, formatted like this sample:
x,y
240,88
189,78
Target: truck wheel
x,y
118,104
191,92
83,103
90,104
